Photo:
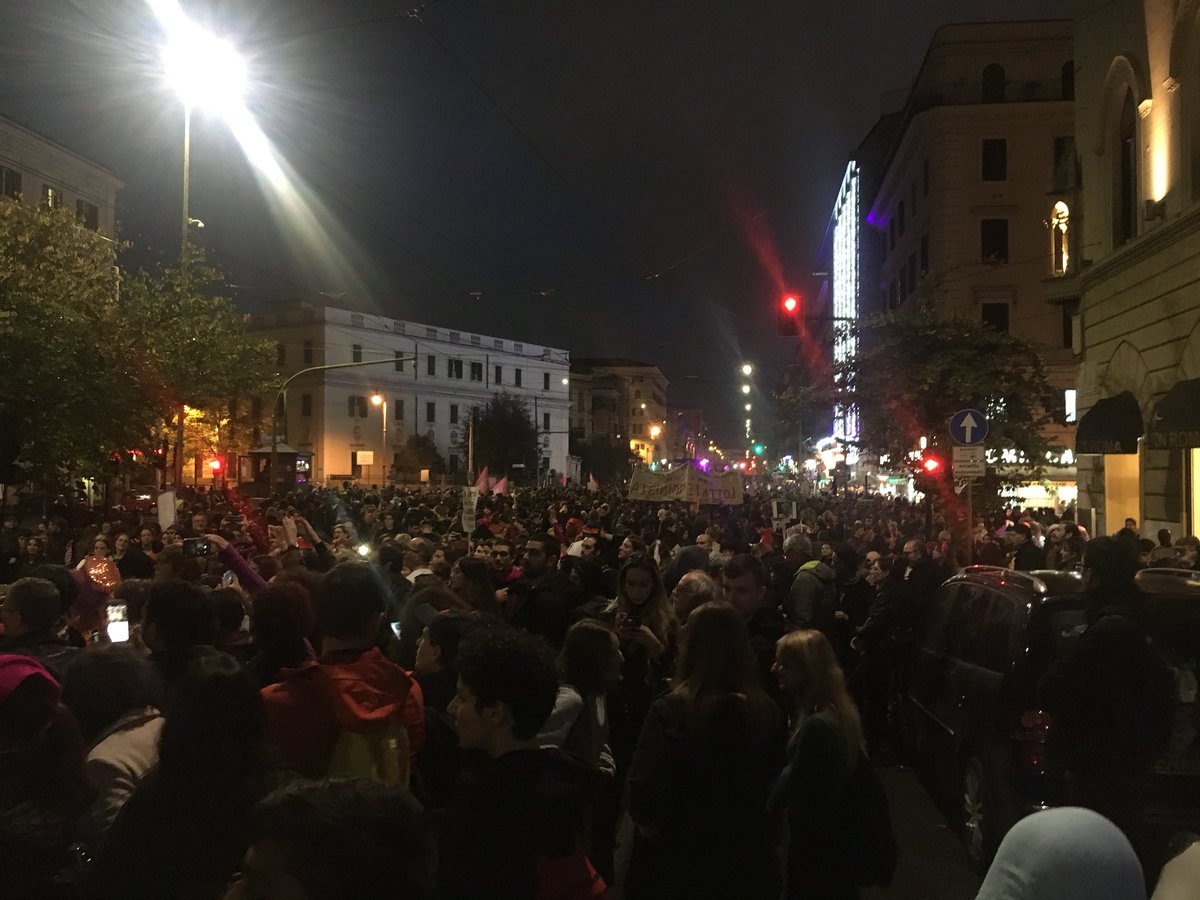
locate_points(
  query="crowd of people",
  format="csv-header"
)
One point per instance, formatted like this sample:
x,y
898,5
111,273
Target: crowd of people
x,y
355,693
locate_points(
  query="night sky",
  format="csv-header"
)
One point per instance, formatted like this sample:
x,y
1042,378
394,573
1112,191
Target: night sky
x,y
624,178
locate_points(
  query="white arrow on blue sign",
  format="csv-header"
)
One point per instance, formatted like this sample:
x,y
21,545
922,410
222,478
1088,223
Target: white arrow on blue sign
x,y
968,427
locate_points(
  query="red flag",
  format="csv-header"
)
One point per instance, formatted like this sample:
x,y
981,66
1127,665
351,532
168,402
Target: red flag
x,y
502,485
481,483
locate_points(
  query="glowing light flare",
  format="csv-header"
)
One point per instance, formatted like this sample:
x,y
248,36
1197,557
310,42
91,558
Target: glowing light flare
x,y
747,369
376,399
1159,163
215,465
655,431
745,388
931,464
790,304
206,71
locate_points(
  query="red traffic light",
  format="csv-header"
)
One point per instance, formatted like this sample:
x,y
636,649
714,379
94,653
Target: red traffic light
x,y
215,465
931,464
790,303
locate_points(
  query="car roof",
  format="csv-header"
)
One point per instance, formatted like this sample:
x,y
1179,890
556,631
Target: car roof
x,y
1044,582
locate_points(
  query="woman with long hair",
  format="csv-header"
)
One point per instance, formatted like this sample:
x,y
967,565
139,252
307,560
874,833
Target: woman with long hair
x,y
703,770
185,829
825,748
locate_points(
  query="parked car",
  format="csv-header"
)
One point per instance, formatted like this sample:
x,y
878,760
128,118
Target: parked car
x,y
968,713
142,497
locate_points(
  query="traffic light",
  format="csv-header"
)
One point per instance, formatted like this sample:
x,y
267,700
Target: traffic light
x,y
216,465
930,471
788,316
758,449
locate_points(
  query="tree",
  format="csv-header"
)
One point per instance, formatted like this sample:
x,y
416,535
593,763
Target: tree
x,y
607,460
914,369
418,452
96,362
505,434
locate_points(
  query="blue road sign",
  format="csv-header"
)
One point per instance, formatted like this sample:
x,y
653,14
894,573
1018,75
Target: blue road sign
x,y
968,427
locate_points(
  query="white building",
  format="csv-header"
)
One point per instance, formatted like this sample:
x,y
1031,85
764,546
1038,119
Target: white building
x,y
38,170
330,413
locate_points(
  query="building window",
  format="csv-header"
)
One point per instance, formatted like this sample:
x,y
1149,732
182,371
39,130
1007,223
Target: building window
x,y
453,413
1060,238
362,407
545,381
399,360
449,367
545,421
455,337
912,200
397,326
637,395
357,320
430,412
993,83
995,160
993,240
352,405
431,333
912,273
10,182
900,218
398,405
475,340
499,373
453,464
925,179
995,315
88,214
497,344
518,348
280,354
308,353
1068,80
430,364
458,369
1068,328
356,352
1064,165
477,371
51,196
924,255
903,280
517,377
306,404
893,296
1125,184
1070,401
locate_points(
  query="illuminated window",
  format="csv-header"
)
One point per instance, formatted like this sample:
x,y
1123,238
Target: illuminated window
x,y
1060,238
1069,400
52,196
88,213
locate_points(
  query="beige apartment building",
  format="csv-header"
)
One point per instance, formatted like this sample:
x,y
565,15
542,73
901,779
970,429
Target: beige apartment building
x,y
38,170
621,400
975,201
1137,127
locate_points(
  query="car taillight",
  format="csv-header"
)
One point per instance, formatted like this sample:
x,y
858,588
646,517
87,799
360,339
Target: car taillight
x,y
1029,736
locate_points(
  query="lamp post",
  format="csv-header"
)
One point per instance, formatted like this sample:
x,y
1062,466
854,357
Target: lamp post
x,y
377,399
206,72
281,400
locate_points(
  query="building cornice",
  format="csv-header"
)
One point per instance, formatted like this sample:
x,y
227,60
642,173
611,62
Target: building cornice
x,y
1142,248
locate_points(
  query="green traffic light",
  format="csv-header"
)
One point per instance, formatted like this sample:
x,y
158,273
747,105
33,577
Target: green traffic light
x,y
758,449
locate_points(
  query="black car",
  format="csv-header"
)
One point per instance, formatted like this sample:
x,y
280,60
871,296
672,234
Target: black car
x,y
968,713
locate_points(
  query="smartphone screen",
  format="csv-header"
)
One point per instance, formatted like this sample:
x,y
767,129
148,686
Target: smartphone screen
x,y
395,628
118,623
195,547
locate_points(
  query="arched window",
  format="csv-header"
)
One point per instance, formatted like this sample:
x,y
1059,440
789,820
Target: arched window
x,y
1125,180
1068,80
993,83
1060,238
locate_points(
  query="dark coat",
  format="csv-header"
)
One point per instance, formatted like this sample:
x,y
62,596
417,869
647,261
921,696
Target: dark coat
x,y
699,802
508,812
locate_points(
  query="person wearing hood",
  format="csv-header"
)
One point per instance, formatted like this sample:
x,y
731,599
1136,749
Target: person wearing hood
x,y
351,687
812,599
520,811
1069,853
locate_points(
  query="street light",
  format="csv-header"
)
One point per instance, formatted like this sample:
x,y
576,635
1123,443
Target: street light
x,y
747,369
745,388
655,431
747,407
378,400
206,72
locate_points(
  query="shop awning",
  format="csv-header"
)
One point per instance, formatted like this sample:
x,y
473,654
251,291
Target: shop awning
x,y
1113,425
1176,420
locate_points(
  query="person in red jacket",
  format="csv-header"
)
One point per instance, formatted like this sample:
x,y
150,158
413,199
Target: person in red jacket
x,y
351,687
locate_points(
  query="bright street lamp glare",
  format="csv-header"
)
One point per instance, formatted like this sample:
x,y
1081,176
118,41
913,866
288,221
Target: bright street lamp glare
x,y
203,69
747,407
747,369
745,388
376,399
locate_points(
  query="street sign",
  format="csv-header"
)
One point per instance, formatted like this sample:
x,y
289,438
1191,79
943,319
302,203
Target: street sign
x,y
968,427
969,462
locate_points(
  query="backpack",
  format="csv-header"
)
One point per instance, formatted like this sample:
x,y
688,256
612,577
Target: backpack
x,y
569,877
869,827
379,753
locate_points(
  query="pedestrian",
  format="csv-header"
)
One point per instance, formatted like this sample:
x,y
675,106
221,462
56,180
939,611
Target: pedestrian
x,y
825,748
703,769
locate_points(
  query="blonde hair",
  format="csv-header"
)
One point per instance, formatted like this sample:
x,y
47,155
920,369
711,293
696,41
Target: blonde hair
x,y
823,685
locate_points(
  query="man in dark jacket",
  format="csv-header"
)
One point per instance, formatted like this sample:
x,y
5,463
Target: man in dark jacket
x,y
32,614
540,601
744,582
522,808
1028,555
812,598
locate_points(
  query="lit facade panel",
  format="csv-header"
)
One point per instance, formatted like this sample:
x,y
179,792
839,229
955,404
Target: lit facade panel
x,y
846,271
